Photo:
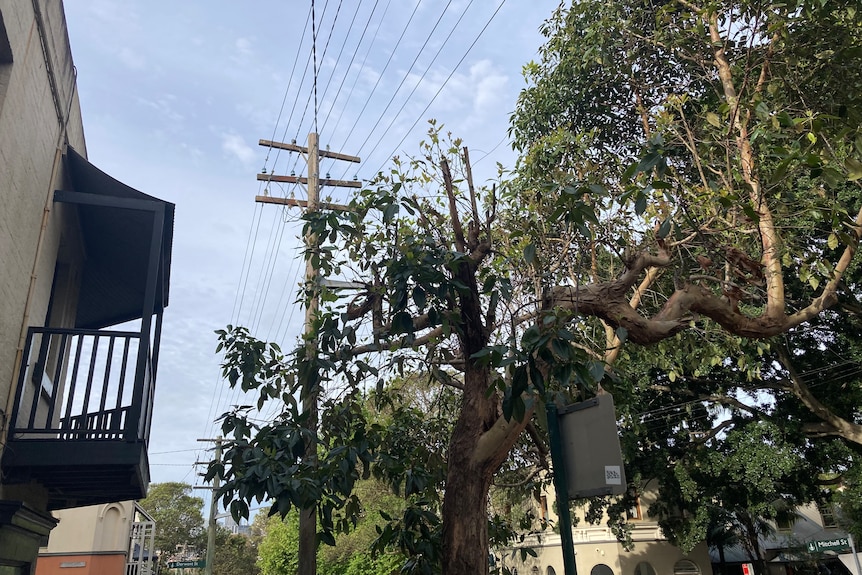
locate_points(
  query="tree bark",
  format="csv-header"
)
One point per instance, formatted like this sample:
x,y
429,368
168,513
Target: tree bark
x,y
480,442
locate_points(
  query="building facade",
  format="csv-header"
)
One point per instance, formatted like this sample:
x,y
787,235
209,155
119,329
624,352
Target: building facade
x,y
84,276
109,539
597,550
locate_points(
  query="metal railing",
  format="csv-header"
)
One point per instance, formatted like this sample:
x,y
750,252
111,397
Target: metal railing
x,y
83,385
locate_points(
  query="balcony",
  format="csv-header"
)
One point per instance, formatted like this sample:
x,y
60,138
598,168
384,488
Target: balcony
x,y
82,413
83,403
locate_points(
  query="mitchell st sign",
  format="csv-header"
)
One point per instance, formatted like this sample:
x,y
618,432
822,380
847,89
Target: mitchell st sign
x,y
838,544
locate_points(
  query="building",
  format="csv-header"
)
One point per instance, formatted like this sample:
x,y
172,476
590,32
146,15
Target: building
x,y
114,538
597,550
811,540
85,266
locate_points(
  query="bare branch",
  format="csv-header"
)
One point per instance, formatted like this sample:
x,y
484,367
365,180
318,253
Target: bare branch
x,y
703,437
460,243
832,424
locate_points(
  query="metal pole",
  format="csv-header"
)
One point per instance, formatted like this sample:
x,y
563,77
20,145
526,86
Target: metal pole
x,y
855,556
561,487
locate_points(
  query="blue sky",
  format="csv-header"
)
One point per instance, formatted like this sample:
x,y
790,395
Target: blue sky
x,y
176,94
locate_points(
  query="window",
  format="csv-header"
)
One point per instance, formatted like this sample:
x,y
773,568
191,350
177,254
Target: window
x,y
601,569
633,512
543,508
827,514
686,567
644,568
550,571
784,522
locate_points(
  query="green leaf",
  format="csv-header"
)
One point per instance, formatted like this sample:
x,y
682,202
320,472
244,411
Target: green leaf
x,y
649,161
664,228
530,253
713,119
597,370
419,297
402,323
854,169
640,204
832,177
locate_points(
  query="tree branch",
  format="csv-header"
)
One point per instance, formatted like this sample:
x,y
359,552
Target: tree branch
x,y
832,423
460,243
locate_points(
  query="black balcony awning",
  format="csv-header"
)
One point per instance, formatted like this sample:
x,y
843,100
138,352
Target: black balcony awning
x,y
117,224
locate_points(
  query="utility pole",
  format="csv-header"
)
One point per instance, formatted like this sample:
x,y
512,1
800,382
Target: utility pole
x,y
307,558
211,524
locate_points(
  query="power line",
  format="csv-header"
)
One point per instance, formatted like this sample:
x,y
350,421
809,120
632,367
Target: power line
x,y
449,77
382,72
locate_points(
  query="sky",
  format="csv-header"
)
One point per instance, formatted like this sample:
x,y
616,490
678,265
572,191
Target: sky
x,y
175,96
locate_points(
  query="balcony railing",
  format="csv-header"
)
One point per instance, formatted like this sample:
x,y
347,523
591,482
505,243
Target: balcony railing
x,y
83,385
81,420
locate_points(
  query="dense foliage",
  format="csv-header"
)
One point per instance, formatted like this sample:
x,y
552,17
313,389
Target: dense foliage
x,y
178,517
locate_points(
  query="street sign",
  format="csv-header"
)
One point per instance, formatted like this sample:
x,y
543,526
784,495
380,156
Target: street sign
x,y
747,569
189,564
838,545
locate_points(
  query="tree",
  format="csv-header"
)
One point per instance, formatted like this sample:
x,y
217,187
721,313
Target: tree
x,y
177,515
742,132
665,145
235,554
279,546
279,541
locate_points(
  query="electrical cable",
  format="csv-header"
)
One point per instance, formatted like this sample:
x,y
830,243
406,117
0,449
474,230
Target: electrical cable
x,y
350,64
449,77
362,66
410,69
382,72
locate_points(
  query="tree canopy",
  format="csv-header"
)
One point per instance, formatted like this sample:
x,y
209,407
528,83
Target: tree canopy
x,y
177,515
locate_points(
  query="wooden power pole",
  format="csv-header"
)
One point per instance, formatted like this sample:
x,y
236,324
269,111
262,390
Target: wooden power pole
x,y
307,558
211,524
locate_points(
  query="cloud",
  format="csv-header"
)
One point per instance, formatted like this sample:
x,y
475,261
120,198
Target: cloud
x,y
489,86
165,106
243,47
233,144
132,60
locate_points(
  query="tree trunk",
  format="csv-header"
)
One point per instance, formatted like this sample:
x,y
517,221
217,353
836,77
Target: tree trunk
x,y
465,519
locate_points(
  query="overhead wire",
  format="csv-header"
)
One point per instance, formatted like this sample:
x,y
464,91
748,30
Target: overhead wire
x,y
362,66
236,313
286,92
410,69
383,71
350,64
449,77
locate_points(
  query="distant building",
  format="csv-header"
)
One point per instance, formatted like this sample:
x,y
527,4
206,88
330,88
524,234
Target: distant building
x,y
811,542
234,527
597,550
110,539
85,266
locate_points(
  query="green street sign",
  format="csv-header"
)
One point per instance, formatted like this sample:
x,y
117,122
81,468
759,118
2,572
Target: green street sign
x,y
191,564
839,544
